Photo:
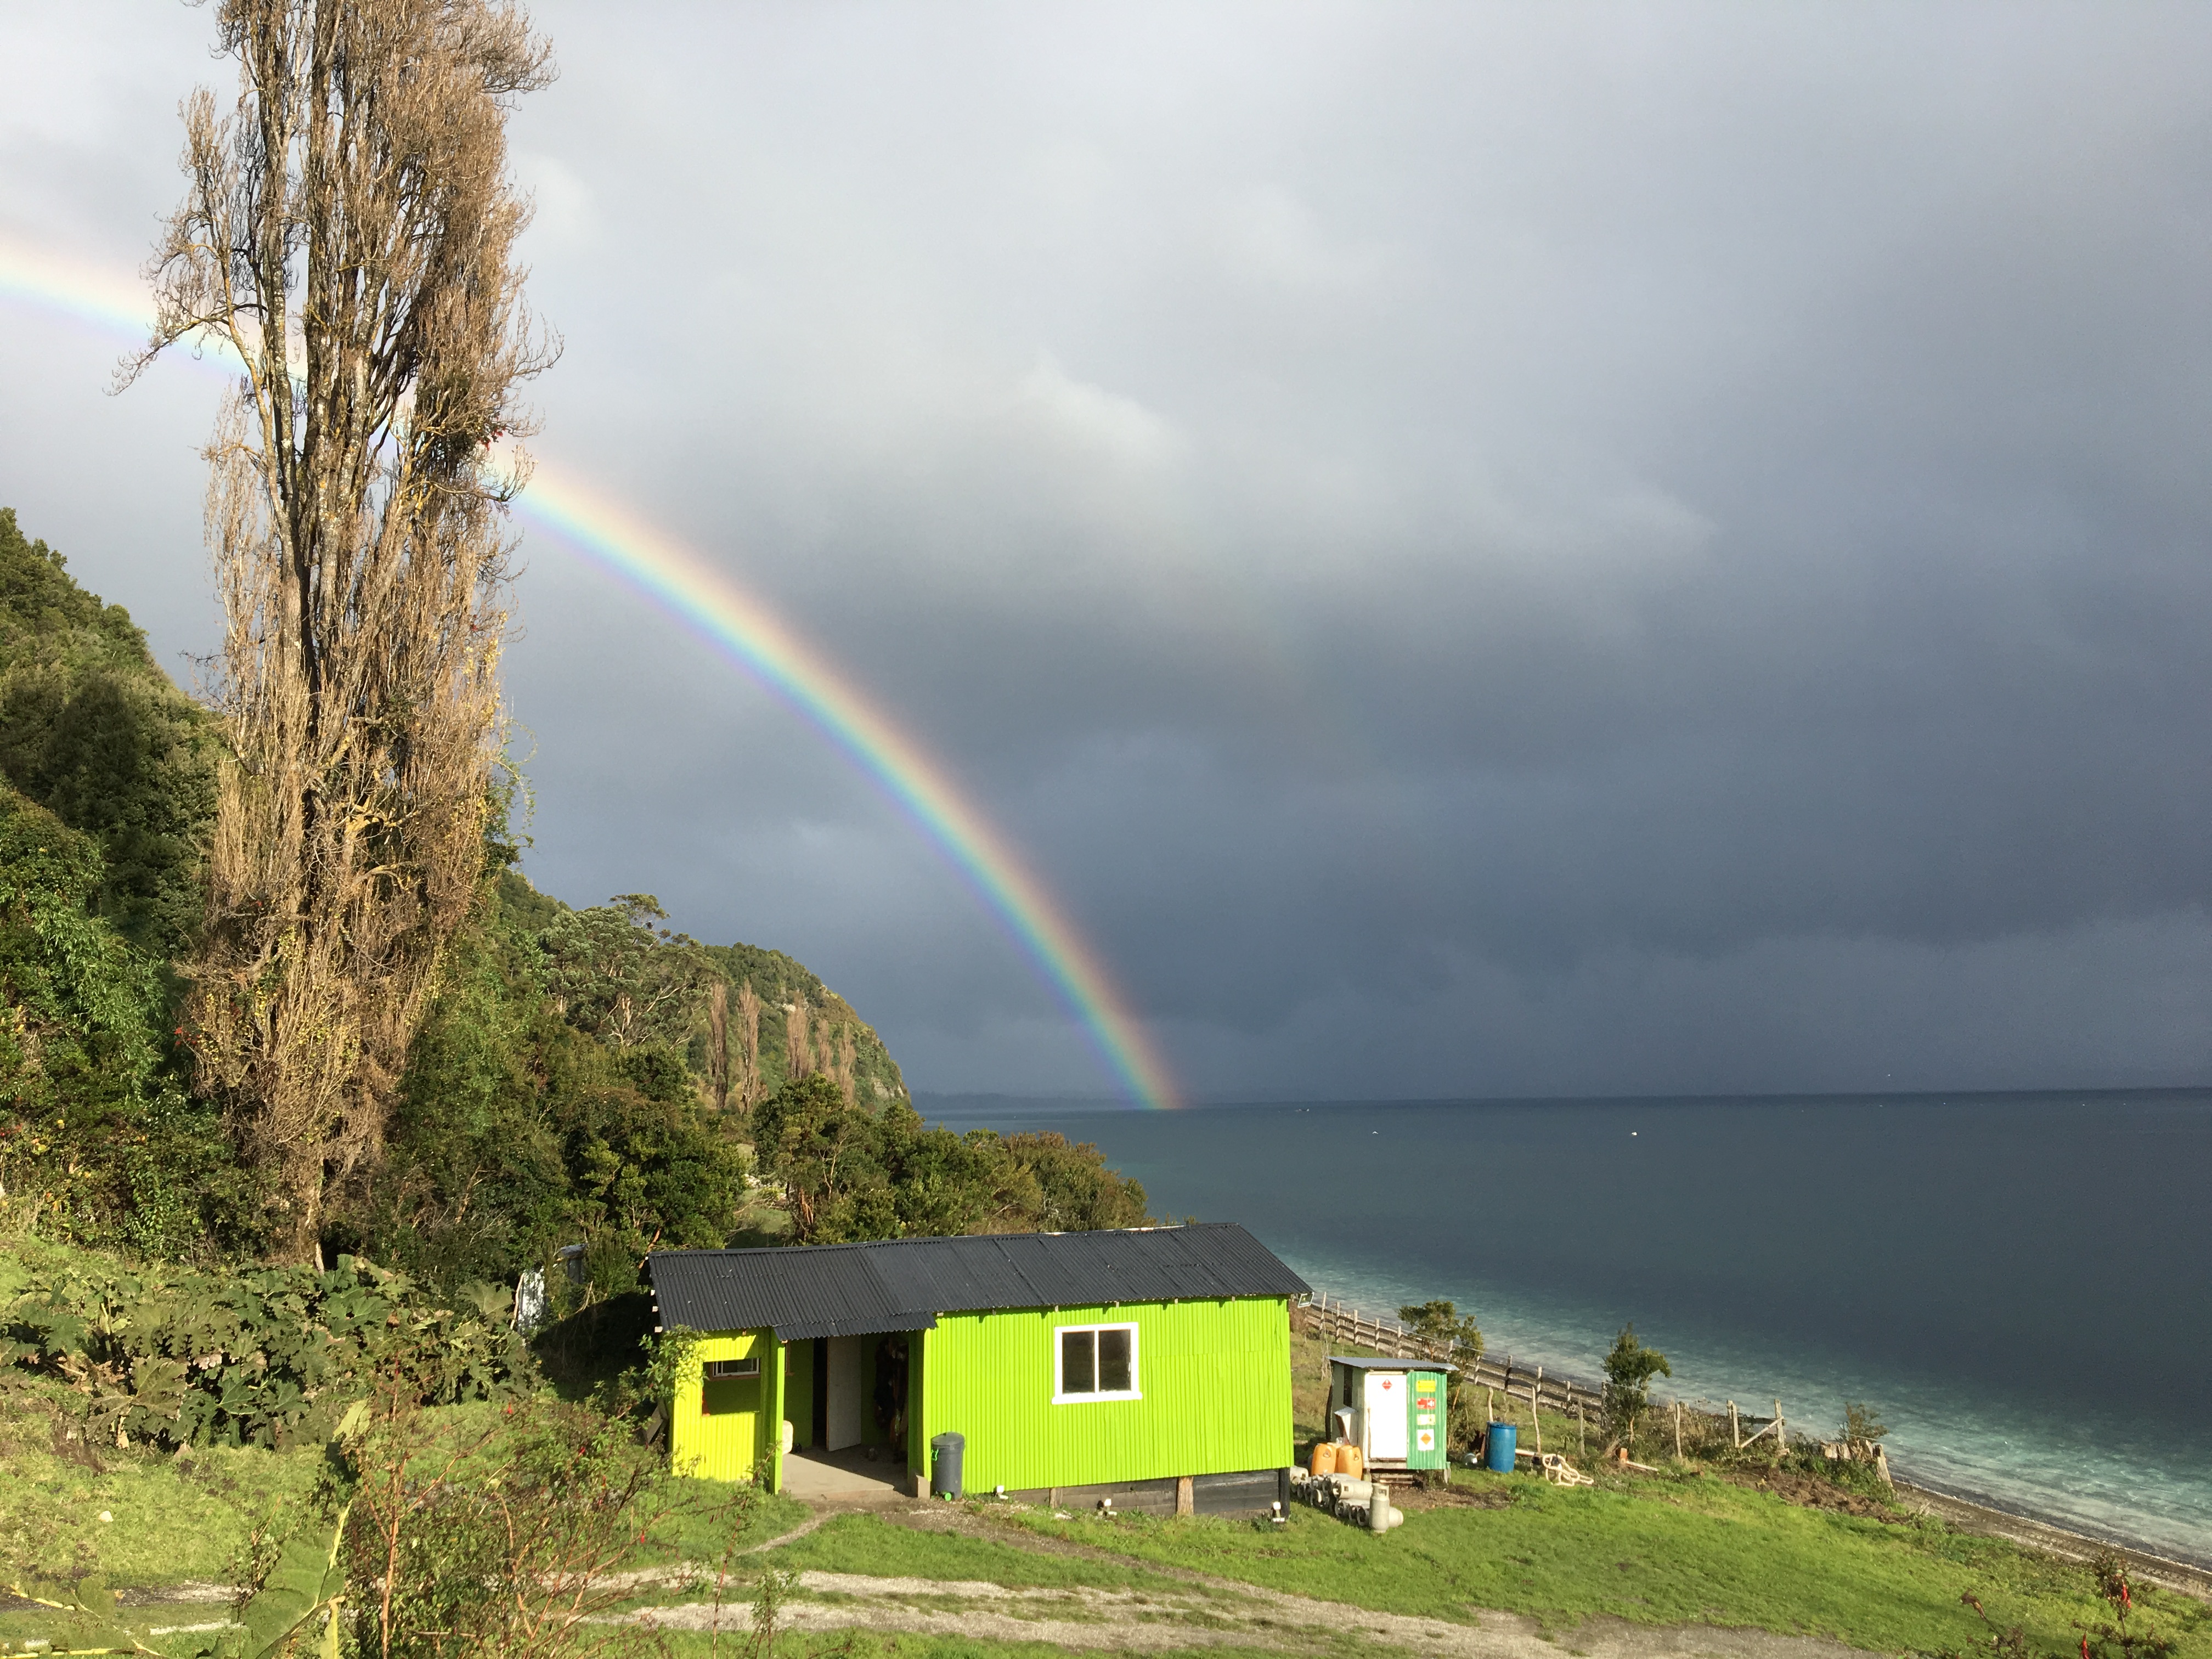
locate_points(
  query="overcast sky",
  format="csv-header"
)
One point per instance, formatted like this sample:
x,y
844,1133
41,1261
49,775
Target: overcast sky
x,y
1533,549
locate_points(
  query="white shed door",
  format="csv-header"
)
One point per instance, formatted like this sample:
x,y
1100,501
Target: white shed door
x,y
843,1428
1385,1414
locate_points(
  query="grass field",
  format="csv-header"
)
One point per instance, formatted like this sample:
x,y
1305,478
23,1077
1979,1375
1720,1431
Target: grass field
x,y
1686,1551
175,1518
864,1544
1677,1549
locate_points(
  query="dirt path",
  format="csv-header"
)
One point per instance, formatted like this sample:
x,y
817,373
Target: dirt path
x,y
1235,1616
1215,1613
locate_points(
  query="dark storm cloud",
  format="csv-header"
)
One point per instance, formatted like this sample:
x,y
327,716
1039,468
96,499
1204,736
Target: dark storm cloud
x,y
1505,549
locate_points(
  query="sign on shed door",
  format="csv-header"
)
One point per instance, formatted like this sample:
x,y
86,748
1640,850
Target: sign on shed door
x,y
1385,1414
845,1353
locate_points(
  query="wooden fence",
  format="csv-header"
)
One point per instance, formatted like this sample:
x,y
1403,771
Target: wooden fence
x,y
1337,1321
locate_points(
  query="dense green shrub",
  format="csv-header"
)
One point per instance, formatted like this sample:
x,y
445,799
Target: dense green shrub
x,y
851,1173
99,1138
497,1540
1074,1190
517,1133
106,790
262,1358
1629,1368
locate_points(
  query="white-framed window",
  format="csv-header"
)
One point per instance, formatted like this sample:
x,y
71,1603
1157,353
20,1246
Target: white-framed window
x,y
1094,1362
730,1370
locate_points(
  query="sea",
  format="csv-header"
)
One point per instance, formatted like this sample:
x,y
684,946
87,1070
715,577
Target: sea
x,y
2020,1284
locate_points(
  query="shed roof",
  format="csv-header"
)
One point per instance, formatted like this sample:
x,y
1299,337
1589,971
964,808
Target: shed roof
x,y
1360,1363
903,1284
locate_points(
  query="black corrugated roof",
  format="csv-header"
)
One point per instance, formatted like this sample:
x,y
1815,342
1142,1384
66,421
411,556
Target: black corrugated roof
x,y
903,1284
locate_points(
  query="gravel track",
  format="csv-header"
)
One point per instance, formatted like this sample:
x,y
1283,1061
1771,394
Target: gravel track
x,y
1217,1613
1096,1621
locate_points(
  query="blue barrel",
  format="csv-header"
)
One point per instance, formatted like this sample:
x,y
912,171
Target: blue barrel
x,y
1500,1442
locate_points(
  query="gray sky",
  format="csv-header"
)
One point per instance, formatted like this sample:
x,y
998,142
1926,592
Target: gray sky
x,y
1480,550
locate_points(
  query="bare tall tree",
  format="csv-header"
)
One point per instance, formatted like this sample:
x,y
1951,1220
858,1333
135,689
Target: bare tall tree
x,y
348,233
847,1054
798,1045
749,1013
718,1044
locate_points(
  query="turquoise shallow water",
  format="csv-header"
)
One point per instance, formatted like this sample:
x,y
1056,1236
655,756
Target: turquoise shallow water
x,y
2021,1284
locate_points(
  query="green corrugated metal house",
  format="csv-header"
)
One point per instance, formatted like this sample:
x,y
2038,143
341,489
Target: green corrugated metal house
x,y
1149,1365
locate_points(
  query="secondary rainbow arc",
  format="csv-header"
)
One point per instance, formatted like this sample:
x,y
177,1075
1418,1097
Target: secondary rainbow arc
x,y
747,632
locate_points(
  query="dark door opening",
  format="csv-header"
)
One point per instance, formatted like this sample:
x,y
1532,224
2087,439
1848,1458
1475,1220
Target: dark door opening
x,y
819,1439
894,1430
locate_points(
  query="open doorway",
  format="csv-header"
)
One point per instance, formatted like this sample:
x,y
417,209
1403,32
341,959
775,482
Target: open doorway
x,y
844,1420
856,1394
854,1448
893,1426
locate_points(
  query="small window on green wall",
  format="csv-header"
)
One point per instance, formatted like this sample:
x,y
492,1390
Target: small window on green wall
x,y
730,1370
1096,1362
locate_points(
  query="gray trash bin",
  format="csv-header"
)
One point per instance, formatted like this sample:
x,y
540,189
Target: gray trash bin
x,y
944,1453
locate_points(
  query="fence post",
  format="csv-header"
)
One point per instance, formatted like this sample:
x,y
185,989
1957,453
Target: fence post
x,y
1736,1431
1781,1439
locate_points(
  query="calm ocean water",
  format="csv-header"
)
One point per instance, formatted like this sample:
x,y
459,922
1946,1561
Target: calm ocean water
x,y
2021,1284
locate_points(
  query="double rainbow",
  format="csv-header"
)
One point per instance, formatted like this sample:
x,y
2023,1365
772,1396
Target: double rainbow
x,y
746,631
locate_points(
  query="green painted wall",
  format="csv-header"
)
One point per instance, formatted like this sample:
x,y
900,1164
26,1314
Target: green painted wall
x,y
1433,1387
722,1429
1215,1377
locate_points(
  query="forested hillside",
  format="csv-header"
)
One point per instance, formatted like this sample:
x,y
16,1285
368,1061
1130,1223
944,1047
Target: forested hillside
x,y
584,1076
91,730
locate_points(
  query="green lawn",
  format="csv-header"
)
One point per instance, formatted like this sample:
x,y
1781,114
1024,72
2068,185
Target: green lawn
x,y
863,1544
177,1517
1687,1550
1669,1551
701,1521
186,1515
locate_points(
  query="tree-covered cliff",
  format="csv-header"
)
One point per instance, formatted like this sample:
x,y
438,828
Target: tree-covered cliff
x,y
584,1076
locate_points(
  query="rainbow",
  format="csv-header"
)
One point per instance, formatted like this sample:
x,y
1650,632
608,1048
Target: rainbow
x,y
750,633
746,631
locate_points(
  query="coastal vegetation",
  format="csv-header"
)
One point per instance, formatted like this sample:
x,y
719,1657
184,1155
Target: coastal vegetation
x,y
302,1078
1698,1544
103,1496
593,1076
1629,1368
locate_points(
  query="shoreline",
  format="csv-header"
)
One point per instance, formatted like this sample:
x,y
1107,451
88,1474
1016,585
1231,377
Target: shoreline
x,y
1976,1511
1980,1516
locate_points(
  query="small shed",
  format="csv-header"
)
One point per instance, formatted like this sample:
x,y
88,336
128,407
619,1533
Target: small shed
x,y
1393,1410
1151,1365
